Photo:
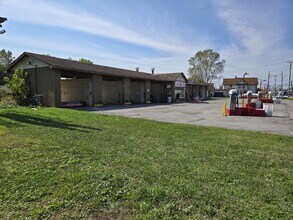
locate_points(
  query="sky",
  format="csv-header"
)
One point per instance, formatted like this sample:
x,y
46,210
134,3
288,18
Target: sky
x,y
253,36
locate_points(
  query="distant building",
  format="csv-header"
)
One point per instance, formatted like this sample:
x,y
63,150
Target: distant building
x,y
177,84
250,84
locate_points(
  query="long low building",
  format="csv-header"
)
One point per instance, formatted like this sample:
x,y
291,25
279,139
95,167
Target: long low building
x,y
61,81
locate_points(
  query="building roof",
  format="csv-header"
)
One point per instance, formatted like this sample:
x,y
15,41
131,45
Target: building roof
x,y
236,80
191,82
171,76
66,64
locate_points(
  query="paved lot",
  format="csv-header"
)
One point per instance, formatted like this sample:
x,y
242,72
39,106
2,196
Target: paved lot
x,y
208,113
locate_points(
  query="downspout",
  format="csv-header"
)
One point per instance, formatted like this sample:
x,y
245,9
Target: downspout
x,y
36,78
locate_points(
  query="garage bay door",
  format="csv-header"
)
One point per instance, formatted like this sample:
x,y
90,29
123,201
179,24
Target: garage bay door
x,y
113,92
137,91
156,92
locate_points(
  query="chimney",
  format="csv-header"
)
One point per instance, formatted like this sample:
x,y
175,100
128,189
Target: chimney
x,y
137,69
153,70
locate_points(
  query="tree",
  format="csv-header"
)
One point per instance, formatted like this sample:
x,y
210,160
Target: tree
x,y
6,58
18,85
83,60
205,66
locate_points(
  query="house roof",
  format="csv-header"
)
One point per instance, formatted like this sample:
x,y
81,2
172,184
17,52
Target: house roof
x,y
66,64
235,81
191,82
171,76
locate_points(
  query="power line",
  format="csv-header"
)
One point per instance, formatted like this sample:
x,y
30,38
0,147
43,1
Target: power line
x,y
258,67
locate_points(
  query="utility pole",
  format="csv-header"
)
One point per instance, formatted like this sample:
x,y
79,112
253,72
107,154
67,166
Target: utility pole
x,y
290,69
282,78
275,83
268,86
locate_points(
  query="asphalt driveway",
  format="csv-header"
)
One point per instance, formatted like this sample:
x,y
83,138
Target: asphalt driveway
x,y
208,113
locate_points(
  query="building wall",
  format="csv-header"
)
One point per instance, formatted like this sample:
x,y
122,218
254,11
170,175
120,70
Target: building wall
x,y
147,91
168,90
189,92
156,91
228,86
126,90
252,88
137,91
203,92
196,92
97,89
180,84
45,82
112,91
42,80
239,88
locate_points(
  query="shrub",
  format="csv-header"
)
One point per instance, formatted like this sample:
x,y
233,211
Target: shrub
x,y
4,91
18,85
7,102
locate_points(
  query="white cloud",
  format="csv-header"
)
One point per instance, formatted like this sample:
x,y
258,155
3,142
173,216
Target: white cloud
x,y
98,55
256,26
53,14
257,32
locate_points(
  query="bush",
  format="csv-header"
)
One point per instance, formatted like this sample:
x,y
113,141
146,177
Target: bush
x,y
18,86
7,102
4,91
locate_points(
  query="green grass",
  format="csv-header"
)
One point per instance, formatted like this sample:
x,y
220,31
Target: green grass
x,y
62,164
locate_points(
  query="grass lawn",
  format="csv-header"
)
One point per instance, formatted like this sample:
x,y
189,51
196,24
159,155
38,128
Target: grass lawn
x,y
61,164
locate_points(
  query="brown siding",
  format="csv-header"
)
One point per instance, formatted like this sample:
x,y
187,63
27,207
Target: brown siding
x,y
156,91
189,92
126,89
147,91
168,91
98,89
137,91
113,91
48,85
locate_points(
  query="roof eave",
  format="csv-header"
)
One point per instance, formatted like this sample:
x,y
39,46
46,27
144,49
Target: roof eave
x,y
19,58
104,73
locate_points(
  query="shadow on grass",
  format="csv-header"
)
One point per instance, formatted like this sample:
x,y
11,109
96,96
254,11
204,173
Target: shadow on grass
x,y
17,118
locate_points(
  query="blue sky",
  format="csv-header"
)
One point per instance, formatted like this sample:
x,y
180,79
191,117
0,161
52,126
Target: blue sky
x,y
253,36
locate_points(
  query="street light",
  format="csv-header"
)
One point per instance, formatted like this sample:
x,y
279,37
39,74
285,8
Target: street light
x,y
261,83
243,88
1,21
